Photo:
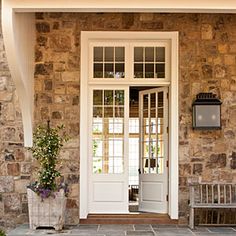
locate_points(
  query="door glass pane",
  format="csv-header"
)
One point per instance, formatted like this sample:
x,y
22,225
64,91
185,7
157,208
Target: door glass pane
x,y
107,131
97,112
108,112
153,100
145,102
108,97
119,97
119,112
97,97
153,133
97,126
160,99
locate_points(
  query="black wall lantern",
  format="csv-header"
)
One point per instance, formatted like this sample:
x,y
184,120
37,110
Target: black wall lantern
x,y
206,111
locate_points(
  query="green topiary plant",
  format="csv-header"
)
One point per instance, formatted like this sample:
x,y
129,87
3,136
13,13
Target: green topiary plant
x,y
47,143
2,233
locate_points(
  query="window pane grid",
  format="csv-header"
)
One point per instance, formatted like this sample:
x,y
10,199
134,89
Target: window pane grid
x,y
109,62
108,131
149,62
152,128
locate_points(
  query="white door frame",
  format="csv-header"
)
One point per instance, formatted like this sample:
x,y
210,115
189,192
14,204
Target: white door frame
x,y
87,37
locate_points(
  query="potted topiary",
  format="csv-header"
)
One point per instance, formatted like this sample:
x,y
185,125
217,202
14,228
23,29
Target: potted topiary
x,y
47,196
2,233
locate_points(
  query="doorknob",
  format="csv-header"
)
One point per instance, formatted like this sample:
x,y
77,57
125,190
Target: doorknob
x,y
139,171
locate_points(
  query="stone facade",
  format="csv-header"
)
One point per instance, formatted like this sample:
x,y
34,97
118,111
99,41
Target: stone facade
x,y
207,63
15,163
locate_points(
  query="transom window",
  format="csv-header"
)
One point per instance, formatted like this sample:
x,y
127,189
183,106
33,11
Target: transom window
x,y
130,61
149,62
108,62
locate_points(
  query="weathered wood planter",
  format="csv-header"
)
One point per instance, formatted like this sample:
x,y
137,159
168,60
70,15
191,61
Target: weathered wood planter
x,y
49,212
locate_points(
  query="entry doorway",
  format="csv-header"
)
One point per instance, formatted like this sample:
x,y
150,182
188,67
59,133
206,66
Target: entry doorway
x,y
129,150
139,59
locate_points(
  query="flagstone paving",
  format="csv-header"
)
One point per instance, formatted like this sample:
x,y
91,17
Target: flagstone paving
x,y
126,230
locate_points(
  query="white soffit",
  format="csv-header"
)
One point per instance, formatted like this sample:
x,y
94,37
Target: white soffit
x,y
124,5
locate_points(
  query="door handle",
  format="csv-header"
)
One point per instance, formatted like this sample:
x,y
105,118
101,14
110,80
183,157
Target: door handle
x,y
139,171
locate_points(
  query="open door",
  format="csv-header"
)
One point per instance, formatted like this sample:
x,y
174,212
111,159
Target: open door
x,y
153,173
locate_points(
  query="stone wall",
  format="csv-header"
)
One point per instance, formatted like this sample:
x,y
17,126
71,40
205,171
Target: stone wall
x,y
207,63
15,163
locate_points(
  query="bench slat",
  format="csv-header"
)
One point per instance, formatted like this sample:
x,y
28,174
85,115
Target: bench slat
x,y
211,196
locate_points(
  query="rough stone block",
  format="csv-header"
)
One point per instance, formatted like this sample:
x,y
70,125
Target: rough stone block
x,y
233,161
63,99
207,32
60,89
5,96
58,115
184,169
20,185
13,169
70,76
223,48
230,59
220,71
216,161
12,203
26,168
60,42
6,184
73,89
48,85
43,68
43,27
197,169
232,48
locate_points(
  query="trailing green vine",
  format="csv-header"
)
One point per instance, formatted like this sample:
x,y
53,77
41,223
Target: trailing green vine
x,y
47,144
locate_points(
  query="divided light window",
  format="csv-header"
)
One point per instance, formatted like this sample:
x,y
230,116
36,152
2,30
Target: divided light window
x,y
130,61
108,62
149,62
108,131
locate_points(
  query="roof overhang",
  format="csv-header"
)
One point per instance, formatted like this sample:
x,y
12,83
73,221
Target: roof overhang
x,y
216,6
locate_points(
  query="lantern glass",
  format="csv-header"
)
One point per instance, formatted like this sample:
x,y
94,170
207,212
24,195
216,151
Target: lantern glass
x,y
206,116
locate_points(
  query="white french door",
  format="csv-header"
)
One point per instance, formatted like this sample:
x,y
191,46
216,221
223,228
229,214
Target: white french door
x,y
153,175
108,157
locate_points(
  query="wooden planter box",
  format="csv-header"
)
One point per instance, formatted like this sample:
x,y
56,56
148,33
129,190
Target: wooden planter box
x,y
49,212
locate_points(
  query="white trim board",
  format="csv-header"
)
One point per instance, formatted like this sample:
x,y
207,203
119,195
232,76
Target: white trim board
x,y
86,37
185,6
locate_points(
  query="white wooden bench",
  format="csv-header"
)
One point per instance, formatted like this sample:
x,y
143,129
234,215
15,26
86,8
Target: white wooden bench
x,y
212,196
